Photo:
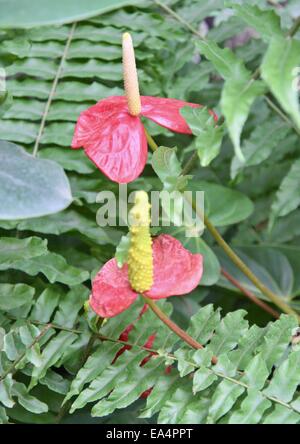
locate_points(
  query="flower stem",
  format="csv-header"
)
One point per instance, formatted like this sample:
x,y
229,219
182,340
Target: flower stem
x,y
151,142
175,328
277,300
250,295
53,89
12,369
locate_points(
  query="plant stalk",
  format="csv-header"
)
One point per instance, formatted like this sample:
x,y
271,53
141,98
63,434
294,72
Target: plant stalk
x,y
250,295
175,328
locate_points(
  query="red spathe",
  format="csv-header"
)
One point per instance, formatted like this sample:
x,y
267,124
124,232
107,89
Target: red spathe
x,y
116,141
176,272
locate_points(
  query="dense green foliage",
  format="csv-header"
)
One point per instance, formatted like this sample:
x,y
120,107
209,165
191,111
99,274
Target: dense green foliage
x,y
55,360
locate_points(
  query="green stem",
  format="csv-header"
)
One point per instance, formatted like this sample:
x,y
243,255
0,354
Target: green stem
x,y
175,328
54,326
151,141
281,114
179,19
53,89
12,369
294,28
190,163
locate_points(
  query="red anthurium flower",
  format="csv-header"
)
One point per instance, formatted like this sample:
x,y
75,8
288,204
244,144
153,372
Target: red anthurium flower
x,y
116,141
111,132
176,272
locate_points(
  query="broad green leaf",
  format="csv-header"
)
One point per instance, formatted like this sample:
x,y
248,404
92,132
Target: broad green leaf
x,y
223,399
122,250
70,160
227,333
203,323
6,386
109,378
208,145
203,378
29,402
13,296
286,379
212,269
287,197
37,13
85,31
279,70
162,391
224,366
2,334
208,134
69,306
12,250
55,382
51,49
28,334
224,60
270,265
21,415
238,94
277,339
266,22
3,416
168,168
176,407
20,346
184,361
53,266
51,354
93,367
137,381
282,415
45,305
70,91
260,145
198,119
247,345
69,221
17,131
256,373
239,91
292,253
251,410
30,187
6,101
223,206
12,345
45,69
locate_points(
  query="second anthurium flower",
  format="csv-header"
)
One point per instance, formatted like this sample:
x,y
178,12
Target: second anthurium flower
x,y
111,132
158,269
